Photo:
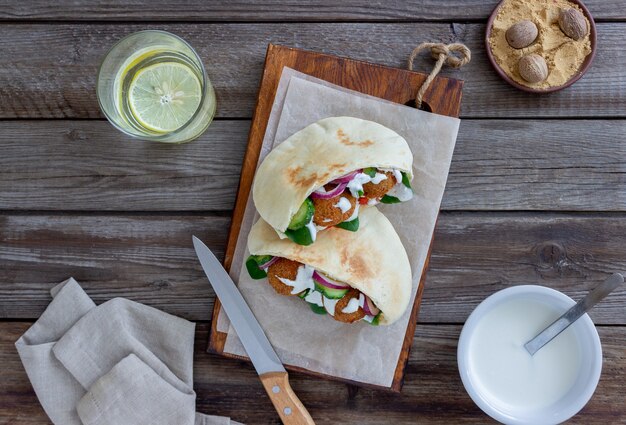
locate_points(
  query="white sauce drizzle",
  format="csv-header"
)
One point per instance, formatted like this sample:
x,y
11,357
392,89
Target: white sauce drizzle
x,y
320,228
352,307
398,175
326,220
378,177
312,229
372,201
304,280
401,192
329,305
355,213
343,204
314,297
356,184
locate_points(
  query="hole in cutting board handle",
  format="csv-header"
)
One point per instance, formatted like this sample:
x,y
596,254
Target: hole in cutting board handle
x,y
425,106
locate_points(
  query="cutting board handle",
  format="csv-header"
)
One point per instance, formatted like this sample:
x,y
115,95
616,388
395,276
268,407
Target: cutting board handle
x,y
286,402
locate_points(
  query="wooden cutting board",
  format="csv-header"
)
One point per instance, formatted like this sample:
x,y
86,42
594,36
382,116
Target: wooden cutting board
x,y
397,85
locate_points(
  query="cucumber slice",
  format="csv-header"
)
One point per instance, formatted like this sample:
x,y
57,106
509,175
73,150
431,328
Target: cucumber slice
x,y
333,294
352,225
261,259
303,294
301,236
405,180
317,309
389,200
370,171
253,268
303,215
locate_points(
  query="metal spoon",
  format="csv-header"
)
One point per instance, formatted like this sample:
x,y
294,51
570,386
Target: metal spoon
x,y
574,313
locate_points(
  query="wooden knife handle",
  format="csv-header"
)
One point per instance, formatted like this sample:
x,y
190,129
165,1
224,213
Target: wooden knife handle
x,y
286,402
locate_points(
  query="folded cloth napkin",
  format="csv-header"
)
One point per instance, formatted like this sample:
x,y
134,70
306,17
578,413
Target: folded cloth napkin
x,y
119,363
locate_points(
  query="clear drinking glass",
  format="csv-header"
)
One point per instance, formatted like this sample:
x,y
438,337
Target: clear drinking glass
x,y
152,85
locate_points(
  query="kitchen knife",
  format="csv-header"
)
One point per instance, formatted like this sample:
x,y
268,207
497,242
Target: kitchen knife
x,y
267,364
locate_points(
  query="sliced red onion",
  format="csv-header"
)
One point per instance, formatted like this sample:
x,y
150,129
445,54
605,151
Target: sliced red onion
x,y
269,263
369,308
328,282
348,177
338,190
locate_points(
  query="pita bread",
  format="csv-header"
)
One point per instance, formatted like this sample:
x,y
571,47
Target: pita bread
x,y
371,260
319,153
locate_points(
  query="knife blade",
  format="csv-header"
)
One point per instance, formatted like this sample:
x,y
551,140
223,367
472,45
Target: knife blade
x,y
270,369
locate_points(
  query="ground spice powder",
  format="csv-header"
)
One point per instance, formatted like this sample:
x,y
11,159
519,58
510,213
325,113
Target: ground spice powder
x,y
563,55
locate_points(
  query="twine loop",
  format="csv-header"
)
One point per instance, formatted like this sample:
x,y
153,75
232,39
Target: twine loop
x,y
443,54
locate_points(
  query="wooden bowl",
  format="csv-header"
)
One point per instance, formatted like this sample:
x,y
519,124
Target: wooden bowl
x,y
581,71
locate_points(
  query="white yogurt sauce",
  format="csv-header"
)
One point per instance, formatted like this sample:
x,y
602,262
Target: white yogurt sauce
x,y
314,297
329,305
343,204
355,213
356,184
352,307
378,177
304,280
312,229
503,368
397,174
401,192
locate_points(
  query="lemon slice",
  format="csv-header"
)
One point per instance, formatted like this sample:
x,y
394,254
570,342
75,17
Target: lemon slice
x,y
164,96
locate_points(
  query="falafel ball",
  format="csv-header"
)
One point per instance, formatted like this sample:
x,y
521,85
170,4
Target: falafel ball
x,y
286,269
377,191
343,302
328,214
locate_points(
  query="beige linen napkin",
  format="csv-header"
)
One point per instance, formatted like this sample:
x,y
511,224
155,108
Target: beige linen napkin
x,y
120,363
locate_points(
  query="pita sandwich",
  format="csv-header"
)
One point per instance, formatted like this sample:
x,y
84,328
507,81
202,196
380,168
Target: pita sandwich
x,y
321,176
351,276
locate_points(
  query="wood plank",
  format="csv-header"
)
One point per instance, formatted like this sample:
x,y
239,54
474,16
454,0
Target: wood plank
x,y
88,165
477,254
432,393
150,259
497,165
147,258
538,165
274,10
56,79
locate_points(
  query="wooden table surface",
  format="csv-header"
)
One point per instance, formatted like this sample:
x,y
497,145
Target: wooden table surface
x,y
536,192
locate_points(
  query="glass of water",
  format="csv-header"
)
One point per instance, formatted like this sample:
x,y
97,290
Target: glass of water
x,y
152,85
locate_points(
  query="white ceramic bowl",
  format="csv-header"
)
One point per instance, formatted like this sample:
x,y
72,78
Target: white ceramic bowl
x,y
573,401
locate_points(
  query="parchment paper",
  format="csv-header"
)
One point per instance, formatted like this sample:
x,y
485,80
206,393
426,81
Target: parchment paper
x,y
359,352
